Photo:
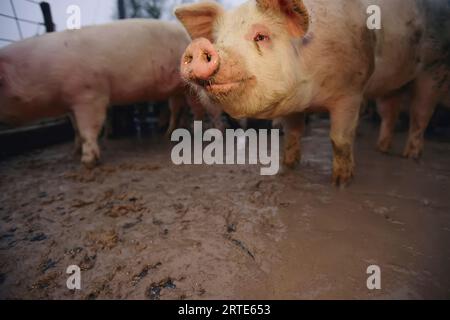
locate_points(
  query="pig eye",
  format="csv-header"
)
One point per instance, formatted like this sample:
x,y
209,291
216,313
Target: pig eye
x,y
261,37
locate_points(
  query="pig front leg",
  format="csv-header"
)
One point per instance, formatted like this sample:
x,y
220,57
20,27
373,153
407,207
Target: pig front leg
x,y
294,127
90,117
425,97
215,113
200,109
176,105
344,120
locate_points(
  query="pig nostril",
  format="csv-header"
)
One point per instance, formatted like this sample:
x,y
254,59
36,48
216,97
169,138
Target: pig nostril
x,y
188,59
208,56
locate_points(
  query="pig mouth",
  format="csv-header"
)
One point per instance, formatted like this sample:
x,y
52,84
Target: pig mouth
x,y
221,88
226,87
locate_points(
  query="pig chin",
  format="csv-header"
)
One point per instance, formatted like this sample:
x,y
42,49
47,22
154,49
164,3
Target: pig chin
x,y
231,95
234,102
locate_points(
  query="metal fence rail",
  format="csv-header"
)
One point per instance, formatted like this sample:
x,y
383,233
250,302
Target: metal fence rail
x,y
43,133
47,19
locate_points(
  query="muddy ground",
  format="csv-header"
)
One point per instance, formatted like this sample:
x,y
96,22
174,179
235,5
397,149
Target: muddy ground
x,y
142,228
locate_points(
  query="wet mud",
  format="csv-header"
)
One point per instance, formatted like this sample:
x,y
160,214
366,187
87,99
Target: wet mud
x,y
140,227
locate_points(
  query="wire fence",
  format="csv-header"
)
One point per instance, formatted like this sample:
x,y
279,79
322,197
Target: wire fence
x,y
47,25
41,26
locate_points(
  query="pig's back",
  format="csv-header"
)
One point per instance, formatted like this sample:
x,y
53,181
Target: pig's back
x,y
141,58
127,58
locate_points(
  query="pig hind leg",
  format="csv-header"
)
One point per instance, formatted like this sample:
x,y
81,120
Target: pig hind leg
x,y
389,110
78,145
426,94
90,118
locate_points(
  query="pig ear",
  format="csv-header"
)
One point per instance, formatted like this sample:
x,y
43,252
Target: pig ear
x,y
295,12
199,18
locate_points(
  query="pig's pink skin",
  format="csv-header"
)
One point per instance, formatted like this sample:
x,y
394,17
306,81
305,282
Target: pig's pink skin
x,y
322,56
82,72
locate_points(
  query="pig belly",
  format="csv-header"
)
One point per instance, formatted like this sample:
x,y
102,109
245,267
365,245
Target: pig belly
x,y
16,113
397,47
21,103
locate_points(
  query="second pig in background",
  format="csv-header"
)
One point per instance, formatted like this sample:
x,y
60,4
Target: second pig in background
x,y
83,72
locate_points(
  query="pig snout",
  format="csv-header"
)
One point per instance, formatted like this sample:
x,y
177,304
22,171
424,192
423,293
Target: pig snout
x,y
200,61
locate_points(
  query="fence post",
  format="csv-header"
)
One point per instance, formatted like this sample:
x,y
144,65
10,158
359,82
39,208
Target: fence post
x,y
47,13
122,11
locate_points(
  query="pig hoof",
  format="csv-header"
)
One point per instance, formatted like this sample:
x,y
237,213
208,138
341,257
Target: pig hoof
x,y
89,162
343,178
291,162
384,146
290,165
90,165
414,154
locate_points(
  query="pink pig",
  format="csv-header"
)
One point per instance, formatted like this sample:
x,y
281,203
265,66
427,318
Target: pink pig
x,y
82,72
282,58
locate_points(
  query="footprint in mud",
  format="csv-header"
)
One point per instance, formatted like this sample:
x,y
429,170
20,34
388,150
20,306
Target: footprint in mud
x,y
46,281
101,240
119,205
78,203
101,288
385,212
144,272
134,223
9,239
88,262
48,264
231,227
154,291
73,252
38,237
